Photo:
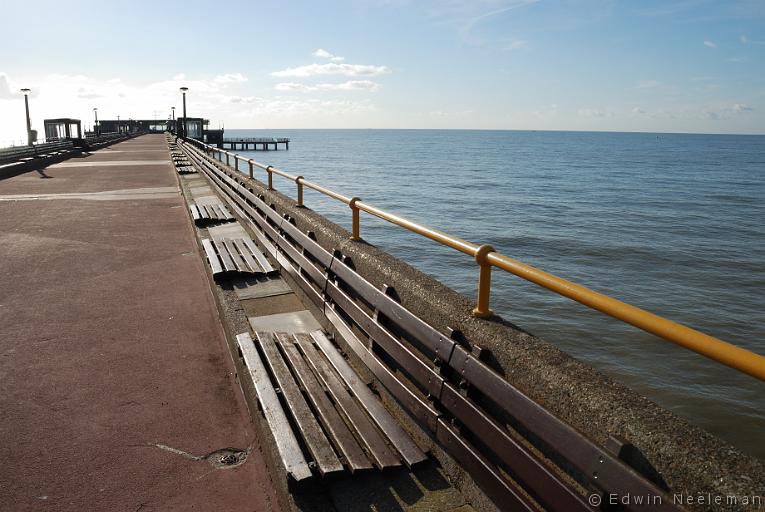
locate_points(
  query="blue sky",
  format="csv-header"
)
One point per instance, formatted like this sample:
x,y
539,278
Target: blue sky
x,y
688,65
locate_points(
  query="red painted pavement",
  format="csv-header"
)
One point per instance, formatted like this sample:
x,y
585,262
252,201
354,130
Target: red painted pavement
x,y
110,344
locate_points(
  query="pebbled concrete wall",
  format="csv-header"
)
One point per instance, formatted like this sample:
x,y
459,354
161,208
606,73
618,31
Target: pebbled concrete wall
x,y
687,459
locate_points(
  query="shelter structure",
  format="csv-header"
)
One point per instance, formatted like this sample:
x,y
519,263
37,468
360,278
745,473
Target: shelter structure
x,y
62,129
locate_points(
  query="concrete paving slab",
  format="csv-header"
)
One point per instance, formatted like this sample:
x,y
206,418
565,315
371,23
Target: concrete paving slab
x,y
292,322
228,230
121,163
255,287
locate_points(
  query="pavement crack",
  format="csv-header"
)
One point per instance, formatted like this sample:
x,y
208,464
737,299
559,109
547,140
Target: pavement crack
x,y
177,451
224,458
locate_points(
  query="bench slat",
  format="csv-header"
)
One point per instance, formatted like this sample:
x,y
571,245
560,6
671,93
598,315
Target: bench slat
x,y
399,438
315,440
286,443
328,415
378,449
212,257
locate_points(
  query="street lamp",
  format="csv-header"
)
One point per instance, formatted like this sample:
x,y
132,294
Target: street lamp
x,y
119,127
185,121
95,126
26,92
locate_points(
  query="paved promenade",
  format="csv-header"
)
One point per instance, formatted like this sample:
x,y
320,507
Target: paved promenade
x,y
115,382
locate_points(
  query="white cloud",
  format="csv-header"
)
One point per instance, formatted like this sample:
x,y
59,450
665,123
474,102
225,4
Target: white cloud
x,y
745,40
351,85
230,78
76,95
648,84
710,44
518,44
442,113
5,88
285,107
324,54
332,68
593,112
741,107
638,111
179,76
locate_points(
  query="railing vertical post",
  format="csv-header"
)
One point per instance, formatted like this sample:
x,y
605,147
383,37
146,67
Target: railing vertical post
x,y
299,182
227,162
270,178
481,309
236,162
356,228
251,171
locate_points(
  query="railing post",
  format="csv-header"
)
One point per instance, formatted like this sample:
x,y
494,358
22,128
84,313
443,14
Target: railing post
x,y
227,162
355,222
236,162
251,172
481,309
270,178
299,182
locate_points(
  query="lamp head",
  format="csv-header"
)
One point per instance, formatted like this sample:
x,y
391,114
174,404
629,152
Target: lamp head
x,y
184,89
25,91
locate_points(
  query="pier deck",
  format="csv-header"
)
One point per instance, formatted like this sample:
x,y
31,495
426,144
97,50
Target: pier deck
x,y
115,381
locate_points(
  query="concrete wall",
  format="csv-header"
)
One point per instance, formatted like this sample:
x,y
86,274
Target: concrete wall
x,y
688,459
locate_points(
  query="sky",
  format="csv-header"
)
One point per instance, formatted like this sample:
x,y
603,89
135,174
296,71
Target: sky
x,y
658,66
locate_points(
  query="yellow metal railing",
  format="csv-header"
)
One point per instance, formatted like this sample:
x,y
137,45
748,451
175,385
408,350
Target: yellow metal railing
x,y
486,257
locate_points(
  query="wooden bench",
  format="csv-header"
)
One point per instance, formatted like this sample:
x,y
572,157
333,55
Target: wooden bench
x,y
321,405
29,153
204,214
235,255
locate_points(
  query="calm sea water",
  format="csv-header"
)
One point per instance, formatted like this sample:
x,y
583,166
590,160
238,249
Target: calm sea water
x,y
671,223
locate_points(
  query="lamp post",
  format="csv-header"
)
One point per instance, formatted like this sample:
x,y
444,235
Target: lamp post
x,y
119,127
26,92
95,126
185,121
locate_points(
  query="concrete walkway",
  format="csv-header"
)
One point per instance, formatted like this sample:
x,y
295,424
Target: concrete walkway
x,y
115,381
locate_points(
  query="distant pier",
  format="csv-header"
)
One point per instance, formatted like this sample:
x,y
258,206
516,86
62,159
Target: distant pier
x,y
255,143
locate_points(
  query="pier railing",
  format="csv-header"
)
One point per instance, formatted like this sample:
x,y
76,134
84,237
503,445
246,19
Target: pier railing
x,y
486,257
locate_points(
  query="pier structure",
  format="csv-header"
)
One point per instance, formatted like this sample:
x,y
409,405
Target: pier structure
x,y
167,320
254,143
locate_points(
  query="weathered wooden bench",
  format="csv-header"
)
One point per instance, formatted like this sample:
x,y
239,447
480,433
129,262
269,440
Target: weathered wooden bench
x,y
318,410
28,153
235,255
204,214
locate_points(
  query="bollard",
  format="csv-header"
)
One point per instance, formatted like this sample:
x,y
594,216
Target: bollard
x,y
355,222
299,182
481,309
270,178
236,162
251,172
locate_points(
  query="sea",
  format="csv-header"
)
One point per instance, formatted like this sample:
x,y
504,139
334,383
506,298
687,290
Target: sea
x,y
671,223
